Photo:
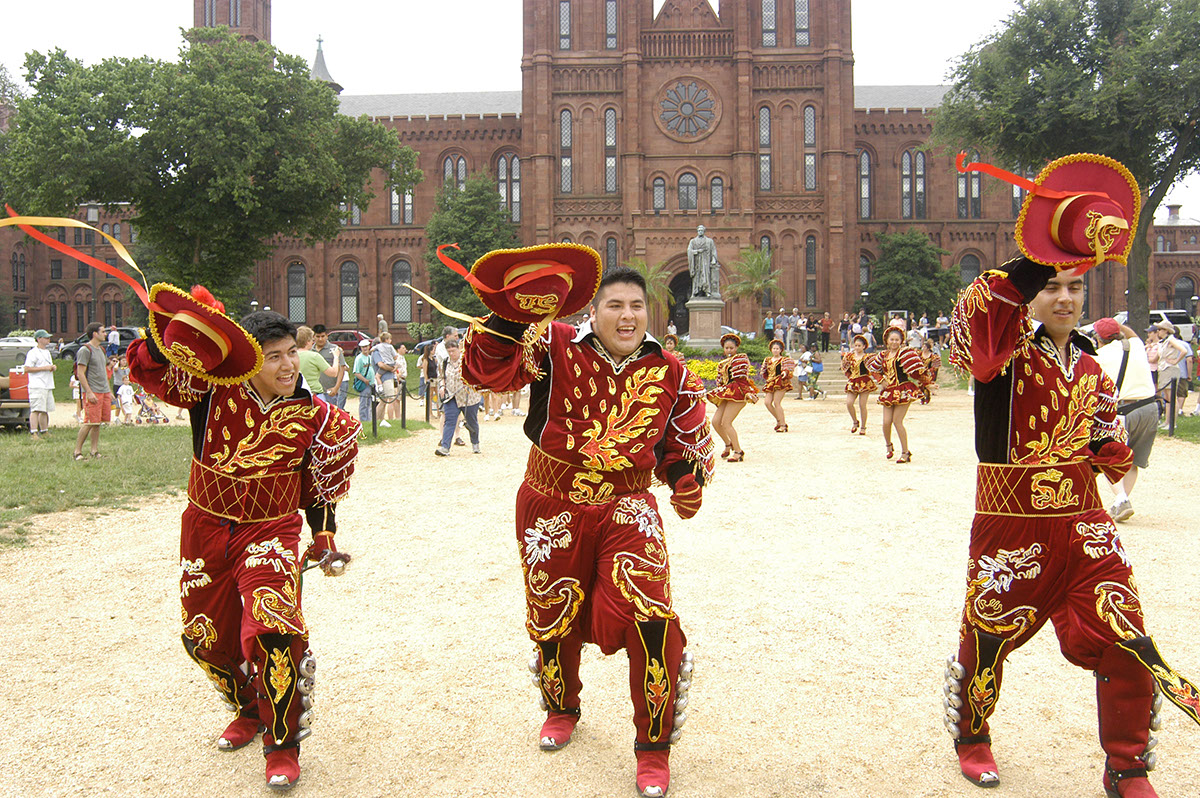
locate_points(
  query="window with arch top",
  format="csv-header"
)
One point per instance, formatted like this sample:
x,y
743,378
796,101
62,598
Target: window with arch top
x,y
508,181
970,192
764,148
401,294
564,146
658,195
968,268
912,184
349,282
864,184
810,148
610,151
297,288
688,191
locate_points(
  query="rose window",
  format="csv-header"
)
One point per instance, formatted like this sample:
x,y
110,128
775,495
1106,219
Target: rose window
x,y
687,109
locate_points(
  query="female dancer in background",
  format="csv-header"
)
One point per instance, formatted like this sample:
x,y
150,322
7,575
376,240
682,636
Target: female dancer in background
x,y
734,389
670,345
858,383
777,375
902,380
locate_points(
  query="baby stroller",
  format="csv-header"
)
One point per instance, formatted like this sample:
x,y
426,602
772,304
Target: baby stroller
x,y
148,410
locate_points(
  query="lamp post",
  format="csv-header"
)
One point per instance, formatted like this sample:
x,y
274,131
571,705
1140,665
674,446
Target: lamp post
x,y
420,307
253,305
21,315
267,308
93,218
1195,299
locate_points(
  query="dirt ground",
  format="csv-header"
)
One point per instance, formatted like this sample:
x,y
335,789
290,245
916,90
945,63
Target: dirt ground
x,y
820,588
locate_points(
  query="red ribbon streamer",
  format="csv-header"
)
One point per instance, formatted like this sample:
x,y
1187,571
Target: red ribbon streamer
x,y
1008,177
458,268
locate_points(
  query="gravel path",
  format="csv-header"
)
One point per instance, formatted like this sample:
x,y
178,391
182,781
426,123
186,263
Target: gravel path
x,y
820,587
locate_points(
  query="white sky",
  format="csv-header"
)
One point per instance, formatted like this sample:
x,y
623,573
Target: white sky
x,y
412,46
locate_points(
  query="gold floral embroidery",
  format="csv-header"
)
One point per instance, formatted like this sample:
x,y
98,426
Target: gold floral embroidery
x,y
625,421
199,629
994,575
658,690
1045,497
277,610
582,491
249,453
1071,432
634,574
551,683
562,599
281,673
1116,604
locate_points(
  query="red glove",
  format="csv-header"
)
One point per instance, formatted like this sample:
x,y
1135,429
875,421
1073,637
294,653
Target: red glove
x,y
686,496
324,553
1113,461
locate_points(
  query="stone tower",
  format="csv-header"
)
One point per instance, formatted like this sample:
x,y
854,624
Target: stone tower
x,y
250,19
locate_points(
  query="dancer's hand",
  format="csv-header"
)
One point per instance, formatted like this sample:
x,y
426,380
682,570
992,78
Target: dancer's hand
x,y
686,496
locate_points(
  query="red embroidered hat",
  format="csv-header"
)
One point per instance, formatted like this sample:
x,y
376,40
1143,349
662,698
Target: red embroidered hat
x,y
193,333
737,339
1080,211
528,285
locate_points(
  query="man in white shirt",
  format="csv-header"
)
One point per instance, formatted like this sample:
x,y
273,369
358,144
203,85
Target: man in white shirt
x,y
39,365
1122,355
114,341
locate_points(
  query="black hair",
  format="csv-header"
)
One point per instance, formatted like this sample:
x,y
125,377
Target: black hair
x,y
267,326
888,332
318,329
93,328
622,274
776,341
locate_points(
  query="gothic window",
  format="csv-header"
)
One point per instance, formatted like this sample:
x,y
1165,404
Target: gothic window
x,y
564,144
56,270
970,192
1018,193
912,185
355,214
89,236
79,315
53,316
1158,244
564,24
764,148
349,280
810,271
344,211
62,235
716,193
610,24
802,37
82,270
210,13
968,268
567,240
408,207
21,270
297,307
687,191
610,151
454,171
659,199
401,295
864,184
78,236
864,271
810,148
116,230
235,13
105,229
108,313
394,208
508,182
16,280
768,23
610,253
1185,289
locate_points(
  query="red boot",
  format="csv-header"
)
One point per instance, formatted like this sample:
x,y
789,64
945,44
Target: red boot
x,y
556,673
653,773
976,762
970,694
655,651
283,768
1124,700
240,733
557,729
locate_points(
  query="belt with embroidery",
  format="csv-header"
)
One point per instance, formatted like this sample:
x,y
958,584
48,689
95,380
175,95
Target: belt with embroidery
x,y
569,482
1036,490
249,498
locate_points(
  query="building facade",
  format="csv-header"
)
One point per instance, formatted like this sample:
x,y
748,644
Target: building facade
x,y
633,128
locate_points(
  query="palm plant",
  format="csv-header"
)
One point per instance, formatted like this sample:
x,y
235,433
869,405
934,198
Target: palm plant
x,y
658,280
753,275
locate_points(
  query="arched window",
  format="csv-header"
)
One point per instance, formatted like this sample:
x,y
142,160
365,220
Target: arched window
x,y
810,148
349,281
610,151
564,156
564,24
610,253
401,295
610,24
104,228
864,184
1158,244
768,23
688,189
659,195
810,271
210,13
1185,289
16,281
716,194
864,271
116,233
968,268
508,181
764,148
802,37
454,171
970,192
21,271
912,185
567,240
297,286
1018,193
235,13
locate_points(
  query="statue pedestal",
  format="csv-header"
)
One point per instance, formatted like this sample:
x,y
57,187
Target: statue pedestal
x,y
704,321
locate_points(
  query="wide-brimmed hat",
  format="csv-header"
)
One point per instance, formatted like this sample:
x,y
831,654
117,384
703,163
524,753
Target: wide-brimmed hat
x,y
1166,326
193,333
737,339
530,284
860,337
1080,211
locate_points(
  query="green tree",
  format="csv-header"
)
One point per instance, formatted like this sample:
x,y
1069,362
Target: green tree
x,y
909,276
753,276
658,282
1115,77
475,220
219,153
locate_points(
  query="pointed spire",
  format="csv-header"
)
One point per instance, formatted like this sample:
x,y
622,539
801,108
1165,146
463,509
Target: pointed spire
x,y
321,72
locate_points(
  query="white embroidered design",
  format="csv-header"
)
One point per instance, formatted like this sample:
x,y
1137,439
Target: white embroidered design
x,y
546,534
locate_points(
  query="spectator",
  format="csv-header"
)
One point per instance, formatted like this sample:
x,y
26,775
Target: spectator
x,y
793,325
381,325
457,397
126,403
77,396
92,373
312,366
1171,352
826,328
392,411
423,356
449,334
364,381
383,357
671,327
114,342
1122,355
768,326
844,332
39,365
337,387
781,325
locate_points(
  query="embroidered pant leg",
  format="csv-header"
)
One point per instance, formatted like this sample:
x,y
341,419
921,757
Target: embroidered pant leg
x,y
1013,585
212,608
655,650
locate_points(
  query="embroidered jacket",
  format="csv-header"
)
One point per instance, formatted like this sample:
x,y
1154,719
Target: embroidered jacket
x,y
906,366
256,461
853,366
645,412
1031,408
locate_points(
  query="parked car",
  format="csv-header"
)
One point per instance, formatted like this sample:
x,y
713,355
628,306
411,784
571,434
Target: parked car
x,y
348,340
1180,318
12,352
128,336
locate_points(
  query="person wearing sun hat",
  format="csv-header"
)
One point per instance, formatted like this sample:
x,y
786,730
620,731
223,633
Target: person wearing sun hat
x,y
39,365
609,413
263,448
1042,545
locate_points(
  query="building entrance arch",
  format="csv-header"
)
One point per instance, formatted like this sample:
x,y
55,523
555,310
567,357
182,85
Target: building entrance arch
x,y
681,292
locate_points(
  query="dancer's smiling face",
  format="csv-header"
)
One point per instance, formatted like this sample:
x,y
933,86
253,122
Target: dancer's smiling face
x,y
620,318
281,368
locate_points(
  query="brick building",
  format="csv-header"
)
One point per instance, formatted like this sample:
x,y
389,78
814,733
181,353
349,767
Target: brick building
x,y
631,129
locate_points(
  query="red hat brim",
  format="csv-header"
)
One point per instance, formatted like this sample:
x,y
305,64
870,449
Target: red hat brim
x,y
567,290
1082,172
205,326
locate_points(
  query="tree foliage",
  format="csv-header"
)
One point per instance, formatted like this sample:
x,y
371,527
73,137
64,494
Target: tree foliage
x,y
658,282
475,220
909,276
219,153
753,275
1115,77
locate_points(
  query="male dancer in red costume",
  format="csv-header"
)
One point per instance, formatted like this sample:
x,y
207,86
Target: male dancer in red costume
x,y
609,412
262,448
1042,545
